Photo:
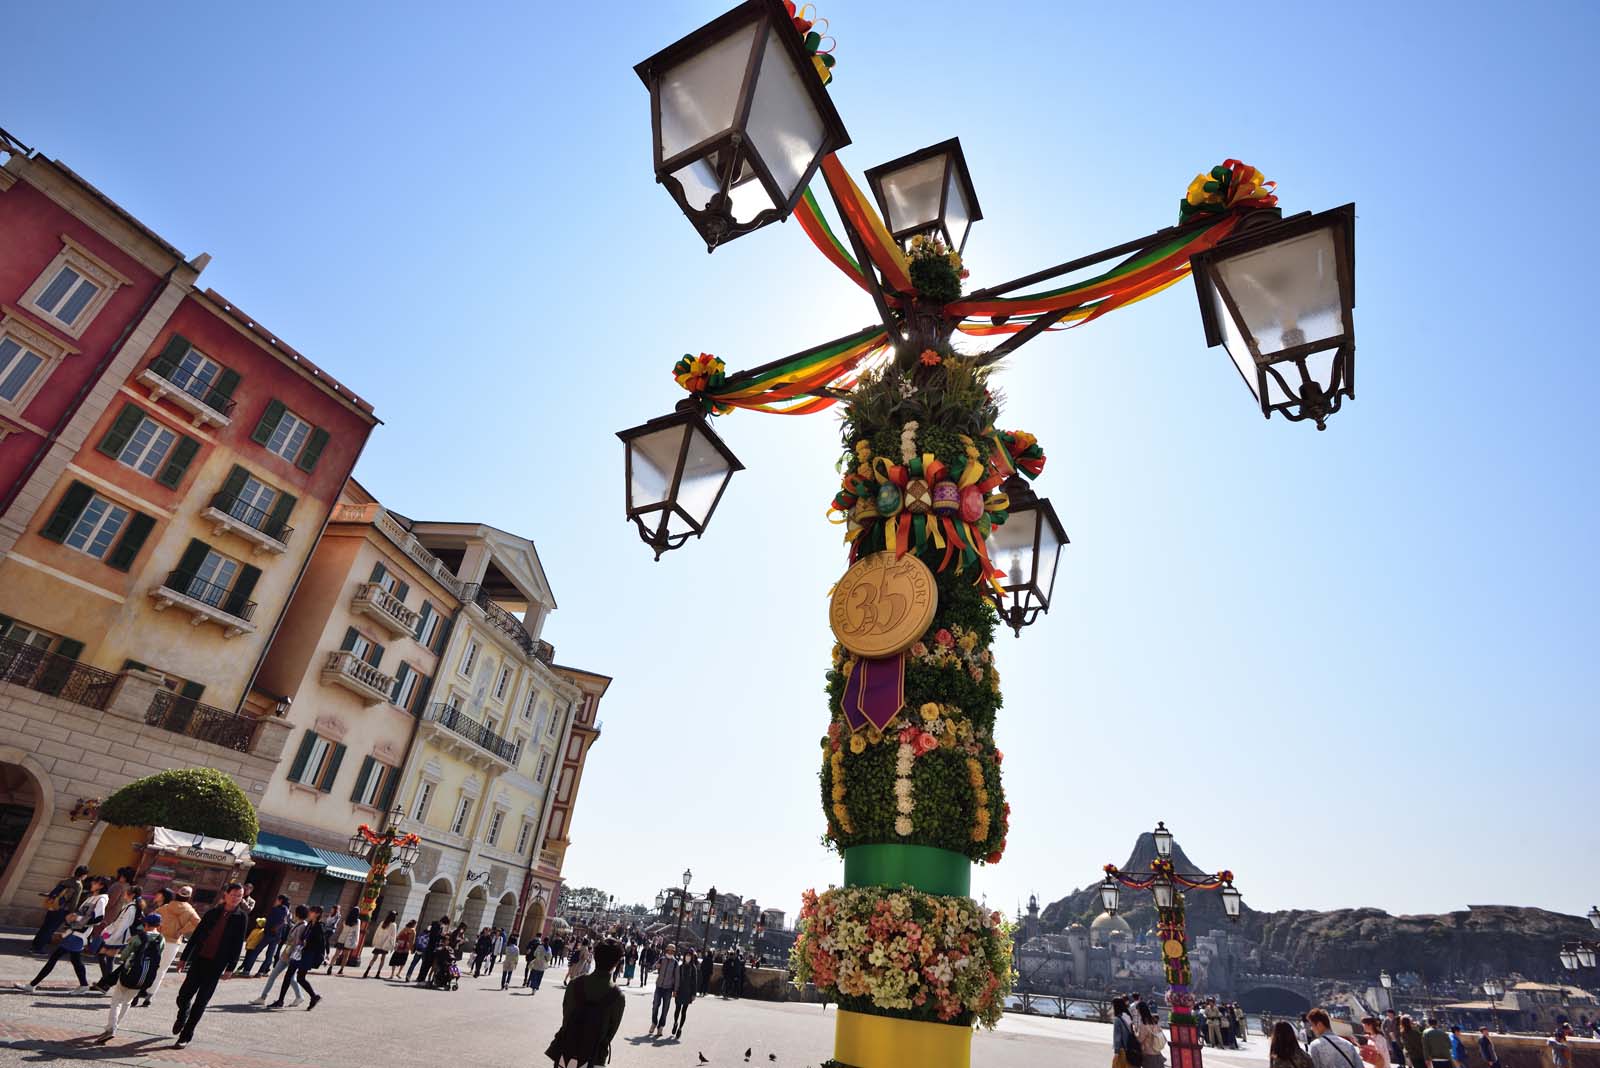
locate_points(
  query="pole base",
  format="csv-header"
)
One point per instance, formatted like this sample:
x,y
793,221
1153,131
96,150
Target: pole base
x,y
866,1041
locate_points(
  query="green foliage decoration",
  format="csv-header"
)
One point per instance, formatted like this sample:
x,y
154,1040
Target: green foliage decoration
x,y
192,800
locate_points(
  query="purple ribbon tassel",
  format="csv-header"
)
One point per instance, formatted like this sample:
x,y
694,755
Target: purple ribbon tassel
x,y
875,691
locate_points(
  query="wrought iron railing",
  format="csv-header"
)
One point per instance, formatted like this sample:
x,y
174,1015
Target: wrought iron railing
x,y
502,619
54,674
188,717
251,516
453,719
212,398
219,597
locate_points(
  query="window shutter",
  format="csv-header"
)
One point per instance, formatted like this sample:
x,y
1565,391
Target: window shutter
x,y
132,540
399,682
234,482
419,700
313,450
174,351
243,586
5,625
280,515
269,421
333,769
443,636
182,455
349,642
391,779
422,619
298,767
72,504
400,591
227,381
69,649
193,556
122,428
375,655
378,571
361,778
191,690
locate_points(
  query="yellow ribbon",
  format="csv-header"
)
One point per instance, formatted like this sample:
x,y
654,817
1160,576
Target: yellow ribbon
x,y
887,1042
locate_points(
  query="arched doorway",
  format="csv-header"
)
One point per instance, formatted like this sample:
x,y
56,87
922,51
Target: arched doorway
x,y
27,805
437,904
506,914
472,912
533,922
395,895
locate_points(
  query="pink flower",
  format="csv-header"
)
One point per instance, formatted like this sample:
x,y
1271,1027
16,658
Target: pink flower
x,y
944,638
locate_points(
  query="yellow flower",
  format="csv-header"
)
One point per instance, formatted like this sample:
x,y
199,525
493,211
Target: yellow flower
x,y
858,744
874,735
838,792
930,711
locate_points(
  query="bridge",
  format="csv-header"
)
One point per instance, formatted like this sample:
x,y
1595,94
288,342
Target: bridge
x,y
1277,995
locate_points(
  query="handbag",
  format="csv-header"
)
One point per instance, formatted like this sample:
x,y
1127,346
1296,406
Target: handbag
x,y
1133,1053
72,942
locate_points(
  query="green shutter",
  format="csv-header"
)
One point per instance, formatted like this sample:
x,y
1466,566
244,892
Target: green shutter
x,y
227,381
243,586
234,482
333,769
127,548
56,670
361,778
443,636
422,619
399,682
175,350
391,779
400,592
193,557
298,767
349,642
122,428
419,700
72,504
191,690
280,515
134,665
69,649
375,655
313,450
172,471
378,571
269,421
5,625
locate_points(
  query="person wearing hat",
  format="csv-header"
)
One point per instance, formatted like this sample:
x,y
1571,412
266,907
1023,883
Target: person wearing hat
x,y
178,921
136,968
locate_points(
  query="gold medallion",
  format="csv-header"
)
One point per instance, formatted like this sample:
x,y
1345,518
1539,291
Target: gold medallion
x,y
883,604
1173,948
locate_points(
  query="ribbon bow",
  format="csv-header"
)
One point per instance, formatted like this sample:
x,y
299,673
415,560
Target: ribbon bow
x,y
804,20
1228,187
701,375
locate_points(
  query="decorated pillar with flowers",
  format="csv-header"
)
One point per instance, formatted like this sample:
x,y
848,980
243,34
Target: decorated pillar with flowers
x,y
381,849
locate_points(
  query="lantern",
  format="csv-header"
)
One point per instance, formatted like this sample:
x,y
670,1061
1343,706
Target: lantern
x,y
1163,839
1585,955
740,120
359,846
677,468
1569,958
1281,299
1231,900
687,875
1026,548
1387,981
1164,893
927,192
408,853
1594,916
1110,894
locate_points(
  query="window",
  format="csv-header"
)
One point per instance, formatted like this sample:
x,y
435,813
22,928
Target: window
x,y
527,706
463,810
544,766
254,499
502,683
197,375
374,784
494,826
516,749
453,702
147,447
316,763
150,448
290,436
17,364
213,578
96,527
428,625
523,834
424,794
550,724
32,637
405,686
469,659
66,296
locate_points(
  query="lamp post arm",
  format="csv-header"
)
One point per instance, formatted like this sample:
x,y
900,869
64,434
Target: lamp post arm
x,y
739,378
1023,336
868,270
1137,245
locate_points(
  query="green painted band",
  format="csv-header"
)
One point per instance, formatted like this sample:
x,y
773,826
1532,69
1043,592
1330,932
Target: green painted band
x,y
928,868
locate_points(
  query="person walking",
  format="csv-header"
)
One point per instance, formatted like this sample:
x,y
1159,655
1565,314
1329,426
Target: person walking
x,y
419,955
1560,1050
1376,1050
647,961
508,962
208,958
122,921
685,990
1458,1051
577,964
630,962
1391,1035
1328,1050
135,971
1122,1036
1147,1031
1436,1045
383,940
591,1013
312,950
1411,1042
427,943
178,921
1284,1050
1486,1049
666,981
1213,1016
349,941
402,948
293,942
63,899
705,975
76,940
482,948
274,925
333,920
538,963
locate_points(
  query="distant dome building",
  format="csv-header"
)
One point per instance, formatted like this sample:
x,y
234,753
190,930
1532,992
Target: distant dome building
x,y
1107,924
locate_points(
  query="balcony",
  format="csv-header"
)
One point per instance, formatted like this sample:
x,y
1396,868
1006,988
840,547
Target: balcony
x,y
403,539
206,405
205,602
379,604
206,723
549,860
502,620
346,669
453,724
230,515
58,676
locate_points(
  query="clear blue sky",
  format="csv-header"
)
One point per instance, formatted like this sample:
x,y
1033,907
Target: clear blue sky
x,y
1348,665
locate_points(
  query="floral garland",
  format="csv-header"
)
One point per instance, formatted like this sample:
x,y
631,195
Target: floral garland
x,y
936,270
905,953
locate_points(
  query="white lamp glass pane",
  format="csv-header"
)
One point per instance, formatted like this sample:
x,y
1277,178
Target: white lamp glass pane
x,y
699,183
1320,364
784,125
704,471
700,96
1011,548
748,198
957,216
1049,545
911,194
655,458
1288,292
1232,340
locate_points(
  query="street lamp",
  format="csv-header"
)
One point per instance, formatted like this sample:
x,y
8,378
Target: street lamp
x,y
928,191
1492,989
1594,916
1163,839
740,120
1586,954
1387,982
1110,895
381,849
677,469
1281,298
1027,548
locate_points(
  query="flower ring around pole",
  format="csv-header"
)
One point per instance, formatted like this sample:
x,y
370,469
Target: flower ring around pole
x,y
701,376
1231,186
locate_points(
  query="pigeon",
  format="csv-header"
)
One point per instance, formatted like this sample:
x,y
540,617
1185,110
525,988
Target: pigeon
x,y
702,1057
772,1056
747,1052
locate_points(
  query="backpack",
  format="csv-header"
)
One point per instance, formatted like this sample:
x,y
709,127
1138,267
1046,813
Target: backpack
x,y
141,971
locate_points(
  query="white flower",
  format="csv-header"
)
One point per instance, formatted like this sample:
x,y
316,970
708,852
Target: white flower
x,y
904,804
902,826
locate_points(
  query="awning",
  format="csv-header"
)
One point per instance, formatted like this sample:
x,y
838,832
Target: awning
x,y
216,850
286,850
342,865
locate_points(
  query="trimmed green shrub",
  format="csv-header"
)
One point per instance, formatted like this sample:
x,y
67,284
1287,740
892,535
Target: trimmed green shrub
x,y
192,800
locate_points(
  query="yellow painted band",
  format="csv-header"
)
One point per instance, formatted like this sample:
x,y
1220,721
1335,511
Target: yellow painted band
x,y
885,1042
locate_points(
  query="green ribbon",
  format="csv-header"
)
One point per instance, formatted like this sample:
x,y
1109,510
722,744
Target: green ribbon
x,y
928,868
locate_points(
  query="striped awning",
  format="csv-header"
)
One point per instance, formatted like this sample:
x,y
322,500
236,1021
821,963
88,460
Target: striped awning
x,y
343,865
286,850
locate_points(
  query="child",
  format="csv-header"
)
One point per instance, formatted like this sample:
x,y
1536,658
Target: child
x,y
138,964
508,963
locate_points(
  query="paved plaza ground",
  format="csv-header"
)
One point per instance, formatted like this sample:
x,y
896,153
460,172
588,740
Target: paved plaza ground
x,y
372,1024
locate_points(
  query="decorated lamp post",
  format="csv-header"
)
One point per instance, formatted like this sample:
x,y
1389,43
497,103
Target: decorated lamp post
x,y
1387,982
381,849
1166,885
1578,954
944,536
1492,989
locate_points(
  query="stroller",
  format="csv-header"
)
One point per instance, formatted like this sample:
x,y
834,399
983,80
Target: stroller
x,y
455,976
